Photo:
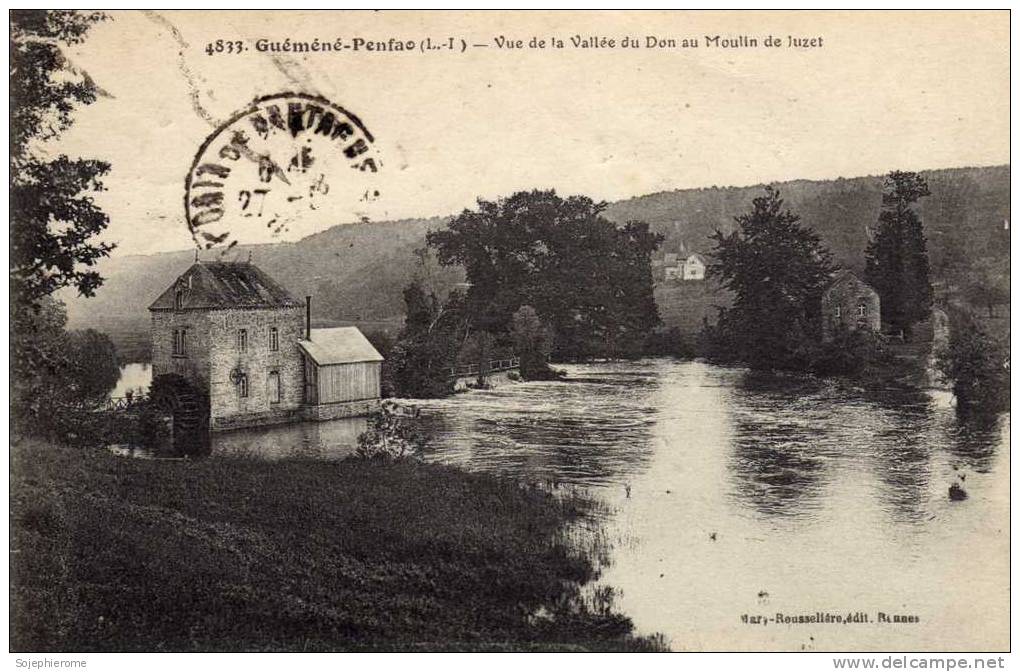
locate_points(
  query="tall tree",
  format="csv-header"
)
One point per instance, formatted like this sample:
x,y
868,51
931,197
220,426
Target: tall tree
x,y
53,219
777,270
426,348
589,279
896,260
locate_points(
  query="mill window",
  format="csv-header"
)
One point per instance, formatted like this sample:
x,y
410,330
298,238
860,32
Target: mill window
x,y
839,311
274,339
242,386
242,340
862,310
180,344
179,298
274,387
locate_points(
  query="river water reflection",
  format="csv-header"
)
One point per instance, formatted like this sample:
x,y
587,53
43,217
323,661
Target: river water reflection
x,y
731,493
734,493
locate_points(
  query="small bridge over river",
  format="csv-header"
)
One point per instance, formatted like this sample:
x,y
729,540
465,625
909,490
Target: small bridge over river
x,y
126,403
495,370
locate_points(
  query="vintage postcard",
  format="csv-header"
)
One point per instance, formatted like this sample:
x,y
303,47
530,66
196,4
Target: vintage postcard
x,y
516,331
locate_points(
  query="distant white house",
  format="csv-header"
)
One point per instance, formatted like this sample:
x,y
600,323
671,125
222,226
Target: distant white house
x,y
681,268
694,267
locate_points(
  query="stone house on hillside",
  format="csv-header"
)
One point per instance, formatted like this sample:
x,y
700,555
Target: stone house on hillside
x,y
849,303
244,343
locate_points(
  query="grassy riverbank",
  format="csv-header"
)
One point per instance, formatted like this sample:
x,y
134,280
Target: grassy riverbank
x,y
118,554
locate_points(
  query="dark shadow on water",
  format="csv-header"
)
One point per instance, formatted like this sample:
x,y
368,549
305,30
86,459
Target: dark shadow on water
x,y
792,434
779,385
777,459
974,440
916,431
776,471
903,467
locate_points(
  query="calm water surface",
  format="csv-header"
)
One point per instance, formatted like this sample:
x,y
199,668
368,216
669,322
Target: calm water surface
x,y
748,494
819,499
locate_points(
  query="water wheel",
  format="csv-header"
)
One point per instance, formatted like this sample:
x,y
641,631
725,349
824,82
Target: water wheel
x,y
189,408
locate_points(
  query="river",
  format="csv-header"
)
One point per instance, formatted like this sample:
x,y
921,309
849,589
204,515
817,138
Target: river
x,y
730,493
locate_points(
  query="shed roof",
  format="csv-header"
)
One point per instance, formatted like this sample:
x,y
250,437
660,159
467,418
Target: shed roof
x,y
214,285
339,345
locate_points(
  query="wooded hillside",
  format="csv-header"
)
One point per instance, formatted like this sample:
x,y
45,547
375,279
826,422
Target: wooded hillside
x,y
356,272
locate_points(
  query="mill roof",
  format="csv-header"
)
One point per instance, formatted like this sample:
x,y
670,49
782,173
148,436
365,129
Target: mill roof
x,y
843,275
214,285
339,345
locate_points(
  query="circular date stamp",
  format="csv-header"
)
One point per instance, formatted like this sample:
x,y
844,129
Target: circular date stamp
x,y
288,165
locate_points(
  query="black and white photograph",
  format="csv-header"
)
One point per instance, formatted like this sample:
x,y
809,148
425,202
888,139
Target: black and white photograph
x,y
516,331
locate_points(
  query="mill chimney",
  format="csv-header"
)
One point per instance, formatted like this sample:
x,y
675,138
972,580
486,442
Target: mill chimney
x,y
308,318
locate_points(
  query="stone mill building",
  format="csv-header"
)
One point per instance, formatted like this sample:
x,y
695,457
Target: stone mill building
x,y
239,342
850,303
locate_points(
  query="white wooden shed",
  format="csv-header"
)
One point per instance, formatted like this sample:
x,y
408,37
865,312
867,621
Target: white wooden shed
x,y
342,373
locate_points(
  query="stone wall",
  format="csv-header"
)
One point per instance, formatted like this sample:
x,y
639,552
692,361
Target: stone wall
x,y
257,418
213,355
345,409
228,409
841,307
193,365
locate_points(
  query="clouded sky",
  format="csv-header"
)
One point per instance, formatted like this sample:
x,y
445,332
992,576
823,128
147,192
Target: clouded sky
x,y
902,90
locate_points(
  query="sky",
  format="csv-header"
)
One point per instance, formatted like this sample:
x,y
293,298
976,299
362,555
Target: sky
x,y
897,90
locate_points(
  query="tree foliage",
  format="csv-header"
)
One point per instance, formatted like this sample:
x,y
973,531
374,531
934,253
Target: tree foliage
x,y
92,369
66,372
897,257
37,360
427,347
987,284
53,219
52,222
977,366
390,436
478,348
777,270
533,343
848,353
587,278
